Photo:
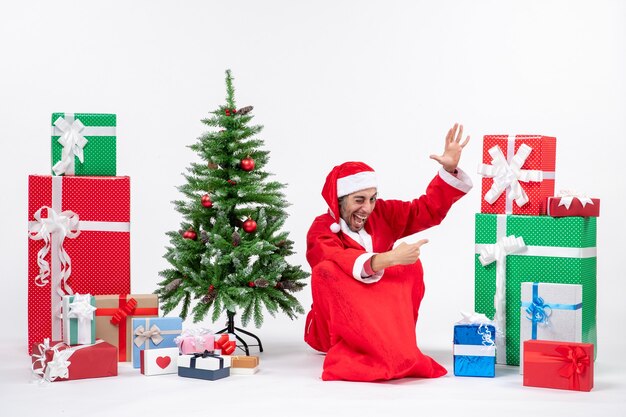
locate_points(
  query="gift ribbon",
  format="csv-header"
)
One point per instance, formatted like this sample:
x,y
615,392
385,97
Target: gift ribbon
x,y
81,309
568,196
204,355
226,343
507,174
144,336
538,312
574,359
497,253
72,141
499,298
53,235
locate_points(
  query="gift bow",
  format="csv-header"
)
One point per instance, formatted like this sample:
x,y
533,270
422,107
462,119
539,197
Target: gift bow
x,y
64,225
81,308
508,175
567,196
576,362
154,334
58,367
225,344
73,143
538,311
121,313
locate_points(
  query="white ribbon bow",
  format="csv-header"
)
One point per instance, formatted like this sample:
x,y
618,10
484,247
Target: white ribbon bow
x,y
507,175
567,196
473,318
81,308
73,143
58,367
154,334
64,225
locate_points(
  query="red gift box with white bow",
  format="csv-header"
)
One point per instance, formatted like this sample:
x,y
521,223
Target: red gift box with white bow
x,y
557,364
518,173
56,361
568,204
79,242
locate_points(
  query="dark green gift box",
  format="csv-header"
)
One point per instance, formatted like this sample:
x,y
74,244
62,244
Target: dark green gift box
x,y
558,250
91,134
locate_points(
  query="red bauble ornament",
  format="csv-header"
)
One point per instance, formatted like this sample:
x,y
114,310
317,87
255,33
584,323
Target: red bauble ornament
x,y
251,284
227,111
206,201
211,287
231,182
190,234
234,111
249,225
247,164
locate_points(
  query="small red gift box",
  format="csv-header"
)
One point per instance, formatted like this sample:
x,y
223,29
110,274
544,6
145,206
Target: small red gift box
x,y
518,173
79,229
569,206
556,364
57,361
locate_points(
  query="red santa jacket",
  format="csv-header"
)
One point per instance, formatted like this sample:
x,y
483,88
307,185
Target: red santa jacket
x,y
389,221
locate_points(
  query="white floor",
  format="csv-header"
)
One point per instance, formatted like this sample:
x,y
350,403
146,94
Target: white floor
x,y
288,384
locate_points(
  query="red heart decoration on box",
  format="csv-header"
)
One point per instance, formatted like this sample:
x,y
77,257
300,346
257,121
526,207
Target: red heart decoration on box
x,y
163,361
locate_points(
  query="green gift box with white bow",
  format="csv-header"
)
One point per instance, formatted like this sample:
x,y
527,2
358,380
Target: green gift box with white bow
x,y
84,144
79,319
512,249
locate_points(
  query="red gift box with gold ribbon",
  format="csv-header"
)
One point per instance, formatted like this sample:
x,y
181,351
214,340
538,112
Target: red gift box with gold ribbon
x,y
79,242
114,314
518,173
557,364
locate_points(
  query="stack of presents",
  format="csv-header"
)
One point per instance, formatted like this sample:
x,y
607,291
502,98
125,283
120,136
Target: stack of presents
x,y
82,319
535,271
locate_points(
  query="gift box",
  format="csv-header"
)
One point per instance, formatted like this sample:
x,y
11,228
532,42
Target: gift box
x,y
550,312
113,318
83,144
195,341
244,365
225,343
474,350
514,249
56,361
571,205
79,319
79,230
518,173
561,365
153,333
158,361
207,365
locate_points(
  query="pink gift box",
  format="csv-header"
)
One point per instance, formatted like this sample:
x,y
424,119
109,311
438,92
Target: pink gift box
x,y
189,343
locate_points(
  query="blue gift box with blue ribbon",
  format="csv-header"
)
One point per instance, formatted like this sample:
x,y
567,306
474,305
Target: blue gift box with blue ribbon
x,y
550,312
475,350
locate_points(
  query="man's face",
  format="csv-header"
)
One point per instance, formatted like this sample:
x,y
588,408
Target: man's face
x,y
355,208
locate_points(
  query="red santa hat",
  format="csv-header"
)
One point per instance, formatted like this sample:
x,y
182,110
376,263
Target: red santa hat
x,y
345,179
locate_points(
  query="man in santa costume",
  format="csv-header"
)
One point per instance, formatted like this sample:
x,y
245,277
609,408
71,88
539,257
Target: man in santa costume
x,y
366,294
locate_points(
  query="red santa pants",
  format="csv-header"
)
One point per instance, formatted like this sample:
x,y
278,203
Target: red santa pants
x,y
368,330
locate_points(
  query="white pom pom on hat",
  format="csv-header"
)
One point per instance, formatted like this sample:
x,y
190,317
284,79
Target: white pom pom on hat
x,y
345,179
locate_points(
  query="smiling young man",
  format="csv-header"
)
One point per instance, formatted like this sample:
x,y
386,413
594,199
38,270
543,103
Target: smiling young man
x,y
366,293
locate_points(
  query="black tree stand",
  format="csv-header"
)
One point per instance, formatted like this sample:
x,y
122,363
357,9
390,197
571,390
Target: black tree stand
x,y
230,328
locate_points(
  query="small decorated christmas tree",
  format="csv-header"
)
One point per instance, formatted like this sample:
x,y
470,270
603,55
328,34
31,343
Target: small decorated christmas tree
x,y
230,254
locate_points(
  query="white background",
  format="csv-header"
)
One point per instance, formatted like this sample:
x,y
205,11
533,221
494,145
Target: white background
x,y
330,81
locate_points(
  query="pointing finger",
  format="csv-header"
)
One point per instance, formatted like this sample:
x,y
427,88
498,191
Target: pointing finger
x,y
421,242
